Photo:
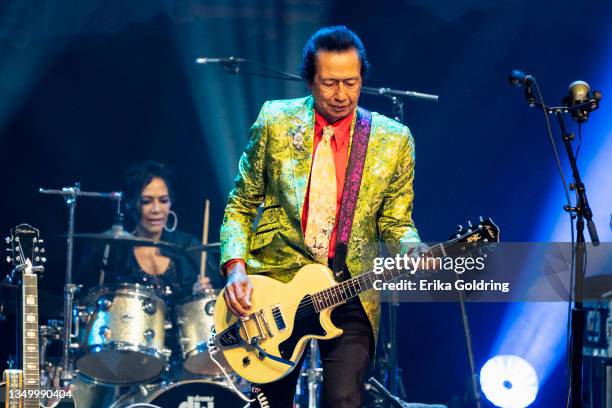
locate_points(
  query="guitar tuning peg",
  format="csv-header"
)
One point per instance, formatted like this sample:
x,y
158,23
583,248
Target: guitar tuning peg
x,y
16,239
37,259
480,219
36,249
43,260
34,240
40,241
9,259
469,224
42,250
459,227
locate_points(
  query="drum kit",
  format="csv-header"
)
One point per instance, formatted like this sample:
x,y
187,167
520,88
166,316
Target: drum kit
x,y
114,349
122,358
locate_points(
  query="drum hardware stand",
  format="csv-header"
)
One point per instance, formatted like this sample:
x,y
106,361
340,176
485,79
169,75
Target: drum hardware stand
x,y
314,374
310,379
70,195
383,395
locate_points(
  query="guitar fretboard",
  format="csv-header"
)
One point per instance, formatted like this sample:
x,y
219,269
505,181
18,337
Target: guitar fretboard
x,y
350,288
31,363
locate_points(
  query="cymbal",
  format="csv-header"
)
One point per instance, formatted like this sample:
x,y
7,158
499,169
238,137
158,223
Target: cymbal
x,y
121,237
213,246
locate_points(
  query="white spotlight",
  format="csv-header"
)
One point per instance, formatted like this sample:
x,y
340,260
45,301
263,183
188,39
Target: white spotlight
x,y
509,381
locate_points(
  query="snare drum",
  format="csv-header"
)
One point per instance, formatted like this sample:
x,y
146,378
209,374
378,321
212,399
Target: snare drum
x,y
195,321
122,335
194,393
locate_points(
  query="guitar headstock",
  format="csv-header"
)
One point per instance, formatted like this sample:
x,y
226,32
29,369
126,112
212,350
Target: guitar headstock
x,y
474,236
485,231
25,250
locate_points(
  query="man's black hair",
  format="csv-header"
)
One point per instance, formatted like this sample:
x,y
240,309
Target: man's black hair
x,y
334,39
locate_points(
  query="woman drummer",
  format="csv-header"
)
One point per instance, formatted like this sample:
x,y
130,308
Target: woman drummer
x,y
149,201
173,273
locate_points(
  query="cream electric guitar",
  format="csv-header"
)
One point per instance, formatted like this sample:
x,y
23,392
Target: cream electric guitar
x,y
267,344
23,386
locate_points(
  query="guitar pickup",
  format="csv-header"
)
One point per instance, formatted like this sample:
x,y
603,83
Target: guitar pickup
x,y
278,318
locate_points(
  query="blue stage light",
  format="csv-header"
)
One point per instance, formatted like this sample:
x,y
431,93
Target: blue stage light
x,y
509,381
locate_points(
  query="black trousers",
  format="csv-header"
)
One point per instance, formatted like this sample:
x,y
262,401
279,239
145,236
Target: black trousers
x,y
345,362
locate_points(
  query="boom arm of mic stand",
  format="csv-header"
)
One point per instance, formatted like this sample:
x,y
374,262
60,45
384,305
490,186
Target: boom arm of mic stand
x,y
233,67
394,92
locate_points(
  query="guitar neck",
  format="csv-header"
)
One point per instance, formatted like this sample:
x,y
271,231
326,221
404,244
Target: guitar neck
x,y
14,383
353,287
31,363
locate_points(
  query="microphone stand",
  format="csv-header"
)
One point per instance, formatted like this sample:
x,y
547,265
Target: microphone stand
x,y
580,212
233,66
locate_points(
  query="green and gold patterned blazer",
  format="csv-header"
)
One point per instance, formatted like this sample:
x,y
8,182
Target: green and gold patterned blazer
x,y
274,171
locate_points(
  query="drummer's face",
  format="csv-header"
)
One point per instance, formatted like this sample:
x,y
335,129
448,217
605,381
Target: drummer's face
x,y
154,207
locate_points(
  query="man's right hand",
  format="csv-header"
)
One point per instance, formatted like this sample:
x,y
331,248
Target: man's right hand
x,y
238,290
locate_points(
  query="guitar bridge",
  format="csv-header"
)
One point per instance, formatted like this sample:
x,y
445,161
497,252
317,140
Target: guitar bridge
x,y
255,326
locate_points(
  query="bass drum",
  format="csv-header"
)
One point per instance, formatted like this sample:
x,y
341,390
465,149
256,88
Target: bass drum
x,y
185,394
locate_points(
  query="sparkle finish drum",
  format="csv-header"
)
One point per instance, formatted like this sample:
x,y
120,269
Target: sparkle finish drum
x,y
122,336
195,321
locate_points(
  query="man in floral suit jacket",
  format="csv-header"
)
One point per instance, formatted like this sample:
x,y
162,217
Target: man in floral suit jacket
x,y
275,172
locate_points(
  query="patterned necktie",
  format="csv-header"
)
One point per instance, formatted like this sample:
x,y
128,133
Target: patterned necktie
x,y
322,198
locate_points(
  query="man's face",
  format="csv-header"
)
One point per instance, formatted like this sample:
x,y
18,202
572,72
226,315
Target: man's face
x,y
337,83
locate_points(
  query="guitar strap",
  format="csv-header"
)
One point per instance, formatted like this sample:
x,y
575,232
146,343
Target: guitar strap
x,y
352,183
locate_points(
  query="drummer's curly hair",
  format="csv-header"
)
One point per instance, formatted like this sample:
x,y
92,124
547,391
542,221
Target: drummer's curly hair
x,y
137,177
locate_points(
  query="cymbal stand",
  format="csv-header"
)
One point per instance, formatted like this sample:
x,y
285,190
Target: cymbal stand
x,y
315,375
70,195
310,379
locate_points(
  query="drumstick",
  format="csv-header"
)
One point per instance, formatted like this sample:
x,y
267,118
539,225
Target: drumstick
x,y
204,238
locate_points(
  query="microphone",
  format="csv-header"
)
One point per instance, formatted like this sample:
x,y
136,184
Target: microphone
x,y
518,78
580,94
223,61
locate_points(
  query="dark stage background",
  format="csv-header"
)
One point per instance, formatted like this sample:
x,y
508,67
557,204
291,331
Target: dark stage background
x,y
89,87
